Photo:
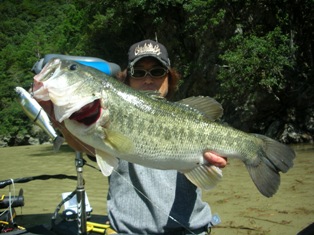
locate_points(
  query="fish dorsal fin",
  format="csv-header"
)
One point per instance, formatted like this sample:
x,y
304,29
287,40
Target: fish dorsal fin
x,y
106,162
206,105
205,176
118,141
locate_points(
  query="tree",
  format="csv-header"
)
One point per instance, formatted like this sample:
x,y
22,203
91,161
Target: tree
x,y
32,29
257,62
244,53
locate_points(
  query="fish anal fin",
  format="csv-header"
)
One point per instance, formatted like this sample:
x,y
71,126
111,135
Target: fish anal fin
x,y
205,176
118,141
206,105
106,162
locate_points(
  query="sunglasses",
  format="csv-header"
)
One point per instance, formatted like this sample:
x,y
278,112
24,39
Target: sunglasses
x,y
142,73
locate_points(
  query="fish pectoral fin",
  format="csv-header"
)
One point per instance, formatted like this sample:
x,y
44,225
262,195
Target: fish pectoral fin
x,y
106,162
205,176
118,141
206,105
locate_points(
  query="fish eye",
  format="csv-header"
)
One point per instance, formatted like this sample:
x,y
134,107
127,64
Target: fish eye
x,y
73,66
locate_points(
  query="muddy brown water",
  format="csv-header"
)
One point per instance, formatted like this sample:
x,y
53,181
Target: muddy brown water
x,y
243,210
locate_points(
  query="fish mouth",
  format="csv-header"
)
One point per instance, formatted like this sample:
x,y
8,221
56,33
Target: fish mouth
x,y
88,114
46,73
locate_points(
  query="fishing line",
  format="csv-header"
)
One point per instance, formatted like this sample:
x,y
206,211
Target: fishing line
x,y
5,183
10,201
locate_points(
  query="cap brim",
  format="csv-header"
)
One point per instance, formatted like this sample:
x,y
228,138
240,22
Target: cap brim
x,y
133,62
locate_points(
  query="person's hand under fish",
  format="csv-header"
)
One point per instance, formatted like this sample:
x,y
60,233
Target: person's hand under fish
x,y
215,159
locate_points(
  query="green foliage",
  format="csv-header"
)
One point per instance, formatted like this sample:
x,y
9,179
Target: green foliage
x,y
14,122
202,16
31,29
255,63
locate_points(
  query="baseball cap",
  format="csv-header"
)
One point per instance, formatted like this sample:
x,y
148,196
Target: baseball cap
x,y
148,48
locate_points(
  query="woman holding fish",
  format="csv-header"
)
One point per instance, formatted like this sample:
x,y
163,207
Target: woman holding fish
x,y
143,200
101,116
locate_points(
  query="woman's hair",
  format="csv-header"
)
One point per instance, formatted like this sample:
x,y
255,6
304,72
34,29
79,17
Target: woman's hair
x,y
173,80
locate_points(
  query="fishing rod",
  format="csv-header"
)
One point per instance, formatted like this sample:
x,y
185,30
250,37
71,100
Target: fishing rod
x,y
80,197
79,192
7,182
9,202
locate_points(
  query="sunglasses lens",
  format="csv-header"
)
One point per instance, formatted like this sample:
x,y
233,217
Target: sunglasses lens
x,y
158,72
155,73
138,73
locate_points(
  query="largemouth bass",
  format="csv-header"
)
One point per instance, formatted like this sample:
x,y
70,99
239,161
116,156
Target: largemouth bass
x,y
35,112
120,122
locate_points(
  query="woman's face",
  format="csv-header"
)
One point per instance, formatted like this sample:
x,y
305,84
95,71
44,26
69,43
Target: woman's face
x,y
158,81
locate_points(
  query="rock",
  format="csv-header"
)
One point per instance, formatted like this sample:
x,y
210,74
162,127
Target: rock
x,y
33,141
293,134
3,143
309,120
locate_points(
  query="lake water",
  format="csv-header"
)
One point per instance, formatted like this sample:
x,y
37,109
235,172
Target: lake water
x,y
242,208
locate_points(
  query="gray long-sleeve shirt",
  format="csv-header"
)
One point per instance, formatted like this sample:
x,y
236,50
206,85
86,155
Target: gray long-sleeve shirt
x,y
174,202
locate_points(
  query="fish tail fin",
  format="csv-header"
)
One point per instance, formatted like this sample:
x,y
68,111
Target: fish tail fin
x,y
57,142
273,158
205,176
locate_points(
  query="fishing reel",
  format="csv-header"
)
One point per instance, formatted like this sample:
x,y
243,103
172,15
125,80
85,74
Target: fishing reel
x,y
70,212
12,201
6,217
